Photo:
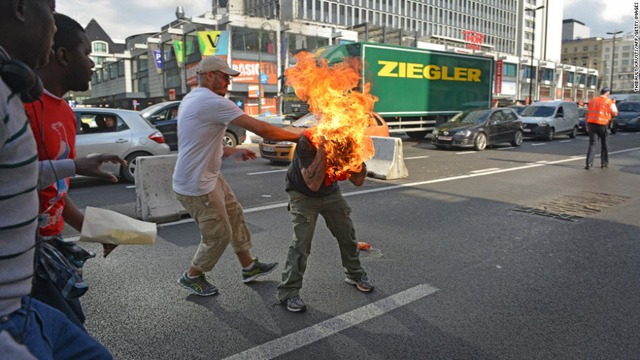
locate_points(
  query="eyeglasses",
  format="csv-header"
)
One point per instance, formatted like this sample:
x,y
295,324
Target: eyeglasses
x,y
224,76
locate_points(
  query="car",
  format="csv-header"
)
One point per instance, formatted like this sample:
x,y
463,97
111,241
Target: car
x,y
628,118
271,119
282,151
164,116
131,137
479,129
517,108
582,120
546,119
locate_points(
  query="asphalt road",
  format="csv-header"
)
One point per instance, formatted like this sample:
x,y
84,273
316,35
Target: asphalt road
x,y
471,261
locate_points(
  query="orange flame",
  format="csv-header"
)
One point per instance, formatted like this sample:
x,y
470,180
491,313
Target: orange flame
x,y
342,112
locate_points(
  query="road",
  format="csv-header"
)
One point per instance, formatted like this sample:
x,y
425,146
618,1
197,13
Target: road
x,y
471,261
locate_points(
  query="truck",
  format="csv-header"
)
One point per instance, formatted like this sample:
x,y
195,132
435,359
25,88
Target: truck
x,y
418,89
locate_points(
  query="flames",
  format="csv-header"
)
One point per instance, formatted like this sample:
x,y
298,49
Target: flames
x,y
342,112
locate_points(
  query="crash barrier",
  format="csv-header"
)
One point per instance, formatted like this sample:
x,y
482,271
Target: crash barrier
x,y
155,199
388,161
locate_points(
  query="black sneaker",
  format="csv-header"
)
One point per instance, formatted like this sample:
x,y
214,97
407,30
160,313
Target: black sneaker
x,y
258,269
295,304
200,285
363,283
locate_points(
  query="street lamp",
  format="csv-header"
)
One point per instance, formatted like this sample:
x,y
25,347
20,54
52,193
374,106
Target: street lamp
x,y
533,45
613,55
260,87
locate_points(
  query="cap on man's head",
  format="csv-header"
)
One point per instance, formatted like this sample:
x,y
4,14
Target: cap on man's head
x,y
214,63
605,90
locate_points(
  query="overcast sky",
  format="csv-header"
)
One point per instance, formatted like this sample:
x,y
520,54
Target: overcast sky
x,y
122,18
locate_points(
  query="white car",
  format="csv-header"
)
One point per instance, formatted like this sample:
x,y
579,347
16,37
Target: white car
x,y
129,136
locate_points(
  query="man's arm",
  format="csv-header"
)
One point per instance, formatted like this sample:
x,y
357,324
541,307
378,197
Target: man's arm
x,y
52,170
72,215
357,179
314,174
264,129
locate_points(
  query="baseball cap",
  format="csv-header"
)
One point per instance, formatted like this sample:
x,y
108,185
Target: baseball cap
x,y
605,90
214,63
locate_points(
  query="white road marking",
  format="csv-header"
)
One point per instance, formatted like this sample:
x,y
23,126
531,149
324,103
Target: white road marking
x,y
266,172
466,152
564,141
416,157
484,170
327,328
130,187
420,183
506,148
539,144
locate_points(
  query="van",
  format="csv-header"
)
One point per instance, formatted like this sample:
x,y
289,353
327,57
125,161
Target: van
x,y
546,119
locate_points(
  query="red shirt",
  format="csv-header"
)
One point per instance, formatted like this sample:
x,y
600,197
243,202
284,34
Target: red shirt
x,y
55,133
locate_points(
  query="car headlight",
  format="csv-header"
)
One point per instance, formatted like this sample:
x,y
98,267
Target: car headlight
x,y
543,123
435,132
635,120
463,133
285,142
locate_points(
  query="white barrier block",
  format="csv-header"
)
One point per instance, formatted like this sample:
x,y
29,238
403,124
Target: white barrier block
x,y
388,161
155,199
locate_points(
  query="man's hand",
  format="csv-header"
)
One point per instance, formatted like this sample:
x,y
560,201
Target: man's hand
x,y
244,154
90,166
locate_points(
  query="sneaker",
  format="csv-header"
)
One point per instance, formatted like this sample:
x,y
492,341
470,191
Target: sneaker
x,y
258,269
200,285
363,283
295,304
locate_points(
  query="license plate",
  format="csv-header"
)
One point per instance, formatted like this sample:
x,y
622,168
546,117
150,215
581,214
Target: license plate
x,y
268,148
526,130
444,138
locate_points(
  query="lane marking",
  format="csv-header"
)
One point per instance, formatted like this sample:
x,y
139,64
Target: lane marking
x,y
416,157
466,152
420,183
539,144
323,330
483,170
267,172
506,148
130,187
565,141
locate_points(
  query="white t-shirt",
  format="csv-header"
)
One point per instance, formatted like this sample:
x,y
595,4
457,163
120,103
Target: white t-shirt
x,y
203,117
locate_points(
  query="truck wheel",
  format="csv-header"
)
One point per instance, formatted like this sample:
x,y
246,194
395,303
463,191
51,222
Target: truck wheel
x,y
128,172
518,137
229,139
552,134
481,142
417,135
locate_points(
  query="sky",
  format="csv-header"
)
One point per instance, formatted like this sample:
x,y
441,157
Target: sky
x,y
122,18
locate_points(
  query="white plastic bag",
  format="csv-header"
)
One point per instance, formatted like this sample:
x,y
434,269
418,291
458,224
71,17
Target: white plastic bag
x,y
109,227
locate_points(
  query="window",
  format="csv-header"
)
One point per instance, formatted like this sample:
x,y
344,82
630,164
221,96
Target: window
x,y
248,39
121,68
100,47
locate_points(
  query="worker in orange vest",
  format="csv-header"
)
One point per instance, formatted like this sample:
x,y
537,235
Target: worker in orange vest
x,y
599,112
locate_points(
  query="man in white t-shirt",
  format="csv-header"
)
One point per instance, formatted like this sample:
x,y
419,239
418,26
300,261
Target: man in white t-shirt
x,y
203,117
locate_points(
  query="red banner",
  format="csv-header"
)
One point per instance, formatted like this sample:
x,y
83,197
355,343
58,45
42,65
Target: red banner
x,y
473,38
498,85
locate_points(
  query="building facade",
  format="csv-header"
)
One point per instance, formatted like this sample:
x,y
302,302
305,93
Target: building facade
x,y
260,37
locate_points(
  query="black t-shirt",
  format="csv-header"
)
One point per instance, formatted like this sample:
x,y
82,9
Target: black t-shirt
x,y
302,158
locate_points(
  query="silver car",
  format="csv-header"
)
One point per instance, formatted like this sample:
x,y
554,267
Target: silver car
x,y
121,132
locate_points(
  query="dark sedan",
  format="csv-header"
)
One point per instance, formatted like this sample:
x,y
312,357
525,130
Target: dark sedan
x,y
628,116
479,129
164,116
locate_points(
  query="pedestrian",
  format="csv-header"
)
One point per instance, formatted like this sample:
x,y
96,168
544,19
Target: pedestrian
x,y
600,110
26,37
54,124
203,117
312,192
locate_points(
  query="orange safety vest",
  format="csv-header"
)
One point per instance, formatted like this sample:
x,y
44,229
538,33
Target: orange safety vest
x,y
599,110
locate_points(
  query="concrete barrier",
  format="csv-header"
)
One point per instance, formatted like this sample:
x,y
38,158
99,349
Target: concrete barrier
x,y
155,199
388,161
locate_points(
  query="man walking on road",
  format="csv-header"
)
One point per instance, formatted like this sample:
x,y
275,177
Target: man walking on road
x,y
600,110
203,117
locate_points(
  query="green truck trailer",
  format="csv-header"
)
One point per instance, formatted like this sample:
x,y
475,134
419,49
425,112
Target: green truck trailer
x,y
417,88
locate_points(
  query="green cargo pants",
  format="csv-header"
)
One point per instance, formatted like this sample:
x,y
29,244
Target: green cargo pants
x,y
304,212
